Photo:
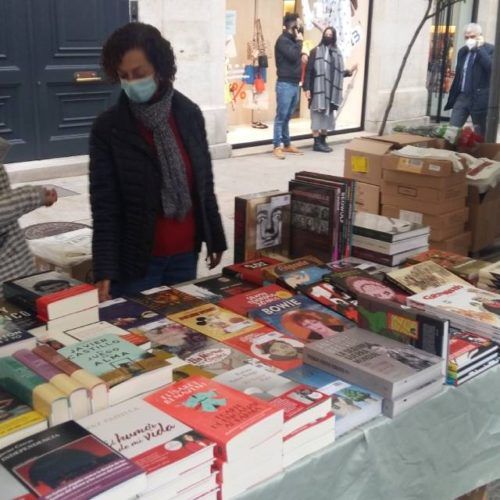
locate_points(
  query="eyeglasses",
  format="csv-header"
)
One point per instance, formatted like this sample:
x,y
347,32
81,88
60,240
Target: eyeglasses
x,y
470,36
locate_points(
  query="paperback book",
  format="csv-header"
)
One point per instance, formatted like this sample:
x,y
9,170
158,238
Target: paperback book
x,y
385,259
370,267
166,300
306,276
125,313
251,270
385,366
385,247
24,319
13,338
272,273
467,348
387,229
301,318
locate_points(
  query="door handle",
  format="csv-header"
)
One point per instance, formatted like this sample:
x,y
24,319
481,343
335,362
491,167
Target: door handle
x,y
86,77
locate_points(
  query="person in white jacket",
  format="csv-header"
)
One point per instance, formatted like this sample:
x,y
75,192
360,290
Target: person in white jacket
x,y
15,256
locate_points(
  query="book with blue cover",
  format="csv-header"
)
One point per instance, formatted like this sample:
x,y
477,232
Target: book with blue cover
x,y
301,318
352,405
304,276
126,313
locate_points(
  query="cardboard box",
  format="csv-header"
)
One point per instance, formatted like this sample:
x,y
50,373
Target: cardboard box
x,y
425,194
441,183
401,139
429,208
363,160
458,244
423,166
451,219
82,271
367,198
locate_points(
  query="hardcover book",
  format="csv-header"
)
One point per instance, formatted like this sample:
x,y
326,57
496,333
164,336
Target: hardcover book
x,y
420,277
270,347
166,300
272,273
386,228
251,270
17,419
405,324
215,322
351,404
301,404
50,294
467,307
245,302
33,390
13,338
301,318
385,259
125,313
127,370
235,421
335,299
385,366
261,225
67,461
384,247
159,444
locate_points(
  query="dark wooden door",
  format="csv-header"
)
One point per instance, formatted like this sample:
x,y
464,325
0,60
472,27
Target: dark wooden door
x,y
65,88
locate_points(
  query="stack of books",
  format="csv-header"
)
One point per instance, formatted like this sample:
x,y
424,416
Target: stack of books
x,y
177,460
386,240
308,418
470,354
402,374
489,277
248,432
59,301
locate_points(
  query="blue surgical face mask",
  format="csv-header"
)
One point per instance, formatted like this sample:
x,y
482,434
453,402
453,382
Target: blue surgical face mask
x,y
140,90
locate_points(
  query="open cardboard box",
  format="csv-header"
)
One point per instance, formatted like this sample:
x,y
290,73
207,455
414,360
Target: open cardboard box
x,y
81,272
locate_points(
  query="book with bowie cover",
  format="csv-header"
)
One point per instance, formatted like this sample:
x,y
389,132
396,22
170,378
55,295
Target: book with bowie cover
x,y
356,281
159,444
272,273
166,300
420,277
235,421
245,302
411,326
67,461
333,298
251,270
125,313
270,347
215,322
301,318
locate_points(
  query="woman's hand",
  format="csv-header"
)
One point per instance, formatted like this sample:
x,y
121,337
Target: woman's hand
x,y
103,290
213,259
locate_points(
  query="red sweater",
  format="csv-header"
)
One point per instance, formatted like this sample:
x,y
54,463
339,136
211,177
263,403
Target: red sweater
x,y
173,236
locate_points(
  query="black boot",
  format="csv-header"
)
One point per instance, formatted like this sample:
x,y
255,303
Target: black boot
x,y
323,141
318,146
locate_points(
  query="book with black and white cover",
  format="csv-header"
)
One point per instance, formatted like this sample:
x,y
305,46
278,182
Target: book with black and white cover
x,y
466,307
385,366
13,338
161,445
23,318
389,248
393,407
385,228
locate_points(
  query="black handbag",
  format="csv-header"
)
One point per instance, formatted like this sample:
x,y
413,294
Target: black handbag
x,y
262,61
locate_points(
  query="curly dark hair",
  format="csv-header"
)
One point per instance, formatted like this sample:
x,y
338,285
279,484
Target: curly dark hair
x,y
158,51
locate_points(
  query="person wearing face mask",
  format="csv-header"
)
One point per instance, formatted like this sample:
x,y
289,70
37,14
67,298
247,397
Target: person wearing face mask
x,y
469,92
151,182
288,56
323,84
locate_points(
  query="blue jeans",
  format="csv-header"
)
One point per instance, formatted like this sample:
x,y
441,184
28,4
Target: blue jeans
x,y
461,111
287,97
168,270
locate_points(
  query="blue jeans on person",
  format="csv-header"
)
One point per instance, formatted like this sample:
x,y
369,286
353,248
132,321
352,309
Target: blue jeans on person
x,y
168,270
461,111
287,97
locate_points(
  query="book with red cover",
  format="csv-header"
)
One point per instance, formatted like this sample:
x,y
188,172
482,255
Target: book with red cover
x,y
245,302
234,421
251,270
270,347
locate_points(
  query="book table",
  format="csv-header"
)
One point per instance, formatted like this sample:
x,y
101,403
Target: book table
x,y
438,450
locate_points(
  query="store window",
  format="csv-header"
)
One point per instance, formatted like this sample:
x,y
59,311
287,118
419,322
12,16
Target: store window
x,y
252,28
446,38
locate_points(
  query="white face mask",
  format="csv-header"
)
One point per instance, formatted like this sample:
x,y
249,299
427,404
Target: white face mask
x,y
470,43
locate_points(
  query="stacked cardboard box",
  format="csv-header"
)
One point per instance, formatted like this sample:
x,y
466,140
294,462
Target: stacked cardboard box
x,y
363,163
428,191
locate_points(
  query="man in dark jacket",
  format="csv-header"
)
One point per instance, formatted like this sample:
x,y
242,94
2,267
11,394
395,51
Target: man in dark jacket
x,y
470,89
288,56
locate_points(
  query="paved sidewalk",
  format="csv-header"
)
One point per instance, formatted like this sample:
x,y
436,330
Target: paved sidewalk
x,y
233,176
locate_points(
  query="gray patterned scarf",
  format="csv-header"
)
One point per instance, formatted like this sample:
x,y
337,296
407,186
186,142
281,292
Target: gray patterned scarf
x,y
328,79
175,196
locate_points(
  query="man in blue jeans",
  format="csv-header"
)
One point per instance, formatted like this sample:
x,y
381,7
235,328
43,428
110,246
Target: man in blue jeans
x,y
288,56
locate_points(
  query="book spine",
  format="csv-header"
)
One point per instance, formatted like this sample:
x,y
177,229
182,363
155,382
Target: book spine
x,y
350,222
371,244
43,303
240,229
379,258
36,364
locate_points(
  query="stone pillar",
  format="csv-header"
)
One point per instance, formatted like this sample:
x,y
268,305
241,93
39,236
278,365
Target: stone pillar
x,y
196,29
393,24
